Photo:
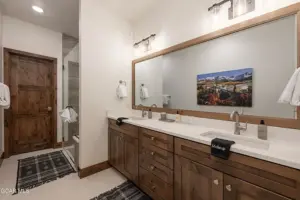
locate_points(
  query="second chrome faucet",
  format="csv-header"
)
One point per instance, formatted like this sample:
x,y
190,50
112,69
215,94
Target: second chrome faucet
x,y
235,116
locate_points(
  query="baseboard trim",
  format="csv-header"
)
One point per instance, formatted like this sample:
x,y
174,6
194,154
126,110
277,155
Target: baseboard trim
x,y
57,145
82,173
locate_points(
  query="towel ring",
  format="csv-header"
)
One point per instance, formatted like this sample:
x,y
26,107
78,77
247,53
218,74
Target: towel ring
x,y
122,82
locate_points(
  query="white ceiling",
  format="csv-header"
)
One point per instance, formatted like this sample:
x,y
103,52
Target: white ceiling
x,y
59,15
63,15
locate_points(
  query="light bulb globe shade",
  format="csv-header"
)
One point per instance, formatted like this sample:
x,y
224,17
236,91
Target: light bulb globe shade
x,y
38,9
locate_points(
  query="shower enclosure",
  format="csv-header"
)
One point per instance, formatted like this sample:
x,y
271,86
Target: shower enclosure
x,y
70,75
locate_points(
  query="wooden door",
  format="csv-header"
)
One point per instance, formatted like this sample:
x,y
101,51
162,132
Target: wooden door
x,y
236,189
116,150
130,157
31,119
195,181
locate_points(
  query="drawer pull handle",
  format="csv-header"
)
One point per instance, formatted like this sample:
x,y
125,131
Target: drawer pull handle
x,y
216,182
152,167
152,153
153,188
152,138
228,188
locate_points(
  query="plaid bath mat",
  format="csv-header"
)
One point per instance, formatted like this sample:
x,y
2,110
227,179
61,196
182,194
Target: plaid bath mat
x,y
38,170
126,191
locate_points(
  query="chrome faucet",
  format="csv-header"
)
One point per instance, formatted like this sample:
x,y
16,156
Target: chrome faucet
x,y
237,126
144,112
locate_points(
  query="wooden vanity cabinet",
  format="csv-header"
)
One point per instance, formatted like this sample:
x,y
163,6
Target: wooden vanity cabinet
x,y
167,168
115,150
124,154
195,181
123,150
236,189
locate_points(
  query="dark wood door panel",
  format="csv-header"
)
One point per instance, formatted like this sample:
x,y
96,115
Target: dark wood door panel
x,y
131,158
34,101
195,181
236,189
32,71
31,119
116,150
33,133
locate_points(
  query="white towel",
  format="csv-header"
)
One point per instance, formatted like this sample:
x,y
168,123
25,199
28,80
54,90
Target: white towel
x,y
69,115
4,96
74,115
291,93
122,91
166,99
144,93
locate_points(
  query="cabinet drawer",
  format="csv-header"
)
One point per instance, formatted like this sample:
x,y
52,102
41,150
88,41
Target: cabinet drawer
x,y
157,154
127,129
157,169
154,186
157,139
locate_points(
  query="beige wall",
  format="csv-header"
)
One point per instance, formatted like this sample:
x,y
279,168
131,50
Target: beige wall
x,y
176,21
30,38
105,58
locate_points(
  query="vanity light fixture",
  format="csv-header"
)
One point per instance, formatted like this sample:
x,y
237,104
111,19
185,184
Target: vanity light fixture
x,y
146,42
215,8
236,9
239,6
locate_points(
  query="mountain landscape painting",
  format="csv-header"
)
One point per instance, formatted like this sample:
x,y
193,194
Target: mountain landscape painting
x,y
228,88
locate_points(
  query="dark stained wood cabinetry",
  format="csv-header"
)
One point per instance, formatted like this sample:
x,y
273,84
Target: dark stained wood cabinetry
x,y
167,168
130,157
123,150
195,181
116,150
236,189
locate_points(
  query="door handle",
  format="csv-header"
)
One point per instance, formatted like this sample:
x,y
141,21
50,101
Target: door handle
x,y
49,108
228,188
216,182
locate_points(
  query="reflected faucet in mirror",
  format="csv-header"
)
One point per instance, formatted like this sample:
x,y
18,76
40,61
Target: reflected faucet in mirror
x,y
235,116
144,112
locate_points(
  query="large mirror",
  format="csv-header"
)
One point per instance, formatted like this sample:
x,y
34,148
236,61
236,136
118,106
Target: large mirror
x,y
246,70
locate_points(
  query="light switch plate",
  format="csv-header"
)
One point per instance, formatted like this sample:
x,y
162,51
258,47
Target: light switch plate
x,y
247,5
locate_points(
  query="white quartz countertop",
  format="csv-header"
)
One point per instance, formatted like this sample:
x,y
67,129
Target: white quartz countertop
x,y
279,152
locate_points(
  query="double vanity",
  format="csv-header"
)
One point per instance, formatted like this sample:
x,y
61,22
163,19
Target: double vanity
x,y
173,161
242,67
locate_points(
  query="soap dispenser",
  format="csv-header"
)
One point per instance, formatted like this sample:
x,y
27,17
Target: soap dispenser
x,y
178,117
262,131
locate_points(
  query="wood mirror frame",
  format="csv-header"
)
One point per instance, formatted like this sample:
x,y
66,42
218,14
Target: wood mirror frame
x,y
266,18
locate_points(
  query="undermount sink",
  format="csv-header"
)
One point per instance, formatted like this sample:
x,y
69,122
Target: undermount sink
x,y
138,118
239,139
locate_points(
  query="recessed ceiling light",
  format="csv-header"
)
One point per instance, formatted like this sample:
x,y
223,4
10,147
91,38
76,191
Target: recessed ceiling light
x,y
37,9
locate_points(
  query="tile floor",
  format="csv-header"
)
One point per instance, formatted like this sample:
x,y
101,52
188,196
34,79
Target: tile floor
x,y
69,187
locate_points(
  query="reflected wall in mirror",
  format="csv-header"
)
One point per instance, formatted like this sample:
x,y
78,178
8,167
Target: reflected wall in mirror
x,y
270,50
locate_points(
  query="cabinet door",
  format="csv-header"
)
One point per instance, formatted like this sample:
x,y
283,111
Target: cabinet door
x,y
195,181
130,158
116,150
236,189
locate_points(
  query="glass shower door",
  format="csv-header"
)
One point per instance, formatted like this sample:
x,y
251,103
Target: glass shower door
x,y
71,99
